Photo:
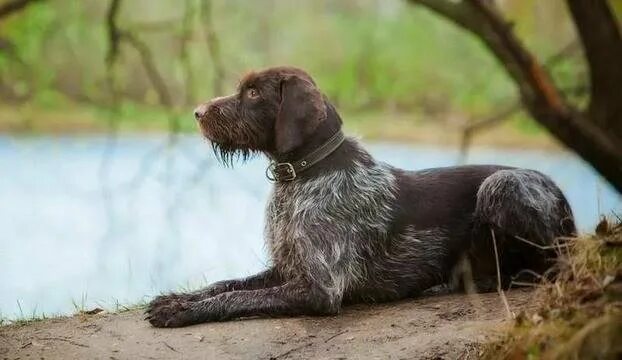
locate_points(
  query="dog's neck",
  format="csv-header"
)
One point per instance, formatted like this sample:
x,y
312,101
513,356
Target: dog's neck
x,y
325,140
325,130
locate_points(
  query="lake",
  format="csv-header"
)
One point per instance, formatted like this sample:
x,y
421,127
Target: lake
x,y
97,221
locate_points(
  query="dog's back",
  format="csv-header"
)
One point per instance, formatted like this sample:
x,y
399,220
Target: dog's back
x,y
523,209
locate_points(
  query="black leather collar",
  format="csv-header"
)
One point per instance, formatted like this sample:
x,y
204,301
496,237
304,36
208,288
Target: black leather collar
x,y
288,171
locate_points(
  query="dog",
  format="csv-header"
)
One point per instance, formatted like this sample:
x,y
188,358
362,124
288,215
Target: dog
x,y
342,227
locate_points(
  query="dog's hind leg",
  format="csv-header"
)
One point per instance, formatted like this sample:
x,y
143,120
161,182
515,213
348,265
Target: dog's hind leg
x,y
523,212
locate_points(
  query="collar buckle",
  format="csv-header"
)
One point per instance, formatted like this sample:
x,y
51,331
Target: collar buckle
x,y
288,171
280,171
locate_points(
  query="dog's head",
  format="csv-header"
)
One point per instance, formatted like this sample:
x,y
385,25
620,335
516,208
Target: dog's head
x,y
275,111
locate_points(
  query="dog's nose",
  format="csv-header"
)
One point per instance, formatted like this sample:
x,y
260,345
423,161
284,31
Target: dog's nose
x,y
200,111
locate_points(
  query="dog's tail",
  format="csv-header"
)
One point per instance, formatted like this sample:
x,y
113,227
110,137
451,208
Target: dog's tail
x,y
524,203
527,212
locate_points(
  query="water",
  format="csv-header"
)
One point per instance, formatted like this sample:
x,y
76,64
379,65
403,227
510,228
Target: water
x,y
96,222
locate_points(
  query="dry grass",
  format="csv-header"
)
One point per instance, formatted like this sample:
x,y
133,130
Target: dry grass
x,y
580,311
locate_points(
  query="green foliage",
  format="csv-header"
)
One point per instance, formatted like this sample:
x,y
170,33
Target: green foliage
x,y
365,54
30,33
526,124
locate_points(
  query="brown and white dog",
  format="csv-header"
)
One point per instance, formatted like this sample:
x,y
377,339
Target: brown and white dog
x,y
342,227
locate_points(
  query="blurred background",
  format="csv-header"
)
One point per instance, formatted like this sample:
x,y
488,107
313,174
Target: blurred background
x,y
108,195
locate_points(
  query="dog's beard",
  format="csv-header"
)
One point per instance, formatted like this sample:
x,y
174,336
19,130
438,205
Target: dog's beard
x,y
228,154
233,143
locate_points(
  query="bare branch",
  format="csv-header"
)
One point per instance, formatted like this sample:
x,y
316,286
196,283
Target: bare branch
x,y
115,37
536,83
13,6
153,26
601,39
508,311
483,20
153,74
114,33
508,110
213,45
184,56
496,118
538,92
568,50
458,12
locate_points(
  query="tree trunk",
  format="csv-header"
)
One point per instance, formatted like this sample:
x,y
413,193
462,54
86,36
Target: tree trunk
x,y
596,140
600,36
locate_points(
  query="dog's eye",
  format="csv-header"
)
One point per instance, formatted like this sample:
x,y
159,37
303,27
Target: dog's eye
x,y
252,93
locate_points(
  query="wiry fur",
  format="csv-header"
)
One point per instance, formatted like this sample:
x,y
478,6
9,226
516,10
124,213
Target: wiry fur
x,y
229,154
523,202
352,229
227,150
520,206
317,229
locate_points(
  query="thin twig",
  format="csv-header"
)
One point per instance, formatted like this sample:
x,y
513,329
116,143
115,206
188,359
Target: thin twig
x,y
11,7
282,355
469,130
558,288
526,284
530,272
170,347
213,45
499,289
185,37
335,335
148,62
541,247
512,108
65,340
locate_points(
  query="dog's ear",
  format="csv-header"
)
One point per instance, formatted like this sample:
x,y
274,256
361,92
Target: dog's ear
x,y
302,109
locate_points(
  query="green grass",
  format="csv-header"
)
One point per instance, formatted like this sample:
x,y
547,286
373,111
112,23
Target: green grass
x,y
81,308
23,318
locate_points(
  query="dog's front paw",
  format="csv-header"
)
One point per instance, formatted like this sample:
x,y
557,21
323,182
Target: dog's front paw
x,y
168,298
169,313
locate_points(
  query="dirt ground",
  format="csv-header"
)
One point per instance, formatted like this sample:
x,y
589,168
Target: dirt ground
x,y
436,327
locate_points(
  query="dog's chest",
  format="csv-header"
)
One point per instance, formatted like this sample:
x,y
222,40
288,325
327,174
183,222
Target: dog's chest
x,y
287,224
324,220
